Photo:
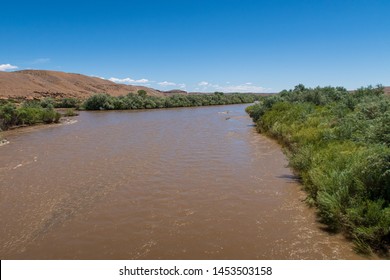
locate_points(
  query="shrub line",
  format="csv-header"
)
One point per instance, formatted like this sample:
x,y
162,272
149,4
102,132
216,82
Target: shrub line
x,y
338,142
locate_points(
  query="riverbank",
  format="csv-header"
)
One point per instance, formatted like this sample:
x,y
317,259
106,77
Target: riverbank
x,y
29,115
338,143
32,112
6,136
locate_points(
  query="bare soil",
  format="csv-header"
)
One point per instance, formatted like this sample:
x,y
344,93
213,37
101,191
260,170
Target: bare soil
x,y
37,84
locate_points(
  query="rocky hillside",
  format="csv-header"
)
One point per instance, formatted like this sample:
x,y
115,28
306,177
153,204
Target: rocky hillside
x,y
33,84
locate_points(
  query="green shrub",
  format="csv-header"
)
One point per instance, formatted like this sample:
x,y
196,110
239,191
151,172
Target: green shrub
x,y
8,115
141,93
47,102
50,116
99,102
67,102
70,113
29,113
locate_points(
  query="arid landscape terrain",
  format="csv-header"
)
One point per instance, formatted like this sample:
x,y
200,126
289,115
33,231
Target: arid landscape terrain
x,y
38,84
32,84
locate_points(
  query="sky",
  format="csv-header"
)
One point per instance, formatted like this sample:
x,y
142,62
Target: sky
x,y
213,45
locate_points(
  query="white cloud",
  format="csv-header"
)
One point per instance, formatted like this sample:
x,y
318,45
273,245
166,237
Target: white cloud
x,y
121,81
5,67
98,77
241,88
165,83
141,81
247,87
128,81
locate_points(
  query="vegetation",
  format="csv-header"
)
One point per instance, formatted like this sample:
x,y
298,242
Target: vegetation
x,y
68,102
2,140
70,113
339,143
143,101
13,114
28,113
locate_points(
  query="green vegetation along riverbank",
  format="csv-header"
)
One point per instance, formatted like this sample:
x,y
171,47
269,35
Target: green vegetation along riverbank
x,y
339,144
143,101
28,113
14,114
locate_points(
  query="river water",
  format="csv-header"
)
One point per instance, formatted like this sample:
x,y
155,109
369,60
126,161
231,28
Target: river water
x,y
189,183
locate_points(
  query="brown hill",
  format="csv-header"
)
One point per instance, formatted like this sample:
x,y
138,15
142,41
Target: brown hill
x,y
36,84
174,91
387,90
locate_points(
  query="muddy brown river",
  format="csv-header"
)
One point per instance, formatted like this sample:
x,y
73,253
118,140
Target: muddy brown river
x,y
191,183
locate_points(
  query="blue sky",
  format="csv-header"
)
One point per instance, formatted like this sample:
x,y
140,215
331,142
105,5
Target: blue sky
x,y
230,45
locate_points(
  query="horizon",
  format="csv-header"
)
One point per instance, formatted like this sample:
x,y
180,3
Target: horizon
x,y
203,46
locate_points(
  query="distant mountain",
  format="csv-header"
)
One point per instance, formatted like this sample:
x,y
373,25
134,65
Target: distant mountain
x,y
36,84
174,91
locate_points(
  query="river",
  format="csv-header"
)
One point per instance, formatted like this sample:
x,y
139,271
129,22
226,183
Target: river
x,y
188,183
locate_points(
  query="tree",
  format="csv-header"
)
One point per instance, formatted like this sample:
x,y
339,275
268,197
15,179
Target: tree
x,y
142,93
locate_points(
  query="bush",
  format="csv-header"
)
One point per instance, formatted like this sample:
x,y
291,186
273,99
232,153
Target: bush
x,y
142,93
47,102
70,113
99,102
8,116
29,113
50,116
68,103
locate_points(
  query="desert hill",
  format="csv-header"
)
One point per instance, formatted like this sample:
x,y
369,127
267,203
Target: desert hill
x,y
32,84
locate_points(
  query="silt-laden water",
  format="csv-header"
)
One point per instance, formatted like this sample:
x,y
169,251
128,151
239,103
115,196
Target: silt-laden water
x,y
190,183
